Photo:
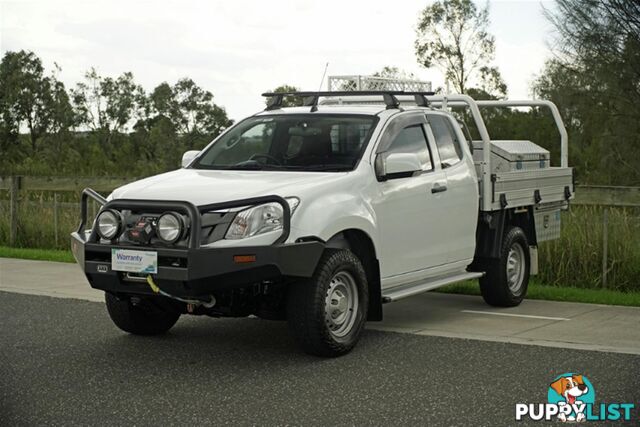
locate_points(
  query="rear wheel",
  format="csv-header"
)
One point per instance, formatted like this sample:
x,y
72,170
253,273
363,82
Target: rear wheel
x,y
326,313
507,277
143,318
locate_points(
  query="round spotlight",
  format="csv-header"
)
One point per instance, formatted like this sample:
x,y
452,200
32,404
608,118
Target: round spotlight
x,y
170,227
109,224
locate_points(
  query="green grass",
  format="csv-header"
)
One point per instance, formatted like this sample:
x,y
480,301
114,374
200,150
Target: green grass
x,y
557,293
36,254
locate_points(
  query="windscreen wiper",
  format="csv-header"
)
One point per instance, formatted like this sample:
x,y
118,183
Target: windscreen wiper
x,y
331,167
247,165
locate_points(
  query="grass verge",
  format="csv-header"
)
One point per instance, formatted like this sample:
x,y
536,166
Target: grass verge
x,y
536,290
557,293
36,254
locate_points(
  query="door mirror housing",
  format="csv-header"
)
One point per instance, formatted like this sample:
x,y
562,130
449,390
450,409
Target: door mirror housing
x,y
397,165
188,157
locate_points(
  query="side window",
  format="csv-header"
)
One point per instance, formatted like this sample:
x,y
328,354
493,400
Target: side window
x,y
412,139
446,140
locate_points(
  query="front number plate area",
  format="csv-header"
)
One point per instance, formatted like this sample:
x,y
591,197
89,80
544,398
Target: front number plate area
x,y
134,261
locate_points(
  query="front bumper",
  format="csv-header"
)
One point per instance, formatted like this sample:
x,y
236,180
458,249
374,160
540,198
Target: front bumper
x,y
193,271
198,272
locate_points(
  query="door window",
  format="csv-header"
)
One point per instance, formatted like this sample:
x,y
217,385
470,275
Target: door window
x,y
412,139
446,140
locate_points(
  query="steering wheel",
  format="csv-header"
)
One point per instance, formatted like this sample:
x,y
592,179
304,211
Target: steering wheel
x,y
267,157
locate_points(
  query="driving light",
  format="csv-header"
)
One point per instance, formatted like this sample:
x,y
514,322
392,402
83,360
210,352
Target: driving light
x,y
170,227
109,224
259,219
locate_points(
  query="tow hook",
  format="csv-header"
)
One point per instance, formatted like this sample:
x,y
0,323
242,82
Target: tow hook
x,y
191,303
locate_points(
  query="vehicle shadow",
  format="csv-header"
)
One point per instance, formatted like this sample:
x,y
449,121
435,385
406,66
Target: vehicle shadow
x,y
243,342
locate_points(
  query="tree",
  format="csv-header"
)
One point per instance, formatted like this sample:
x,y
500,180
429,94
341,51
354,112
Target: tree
x,y
9,121
162,101
62,119
29,99
107,104
89,129
492,83
594,78
190,108
453,36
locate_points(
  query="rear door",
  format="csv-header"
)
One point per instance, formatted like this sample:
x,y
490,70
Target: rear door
x,y
409,209
461,198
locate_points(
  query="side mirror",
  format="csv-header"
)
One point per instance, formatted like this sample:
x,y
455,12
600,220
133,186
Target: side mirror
x,y
397,165
188,157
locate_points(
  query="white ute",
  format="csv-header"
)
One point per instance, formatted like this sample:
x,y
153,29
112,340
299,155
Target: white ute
x,y
320,214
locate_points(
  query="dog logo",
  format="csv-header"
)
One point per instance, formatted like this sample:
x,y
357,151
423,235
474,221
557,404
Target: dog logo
x,y
571,398
573,392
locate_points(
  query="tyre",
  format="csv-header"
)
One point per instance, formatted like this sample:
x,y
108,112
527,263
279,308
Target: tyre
x,y
507,277
326,313
144,318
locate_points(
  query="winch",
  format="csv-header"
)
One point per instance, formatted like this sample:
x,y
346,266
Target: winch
x,y
143,230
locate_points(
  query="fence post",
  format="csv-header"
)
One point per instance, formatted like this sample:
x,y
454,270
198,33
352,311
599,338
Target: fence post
x,y
55,218
13,208
605,245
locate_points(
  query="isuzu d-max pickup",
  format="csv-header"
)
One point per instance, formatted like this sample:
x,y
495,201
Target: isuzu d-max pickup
x,y
322,213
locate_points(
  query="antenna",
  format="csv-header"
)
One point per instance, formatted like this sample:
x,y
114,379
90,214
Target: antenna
x,y
323,75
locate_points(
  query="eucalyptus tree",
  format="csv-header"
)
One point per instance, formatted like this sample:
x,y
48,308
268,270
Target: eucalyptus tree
x,y
453,36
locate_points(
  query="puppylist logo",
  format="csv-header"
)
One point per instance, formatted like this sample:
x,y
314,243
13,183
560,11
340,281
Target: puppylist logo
x,y
571,398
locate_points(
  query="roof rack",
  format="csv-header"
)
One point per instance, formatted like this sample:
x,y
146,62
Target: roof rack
x,y
310,99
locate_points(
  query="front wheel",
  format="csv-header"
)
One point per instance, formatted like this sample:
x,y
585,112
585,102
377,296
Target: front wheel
x,y
507,277
143,318
326,314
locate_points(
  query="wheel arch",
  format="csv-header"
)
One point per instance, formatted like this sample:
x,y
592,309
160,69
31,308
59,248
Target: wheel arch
x,y
493,225
362,245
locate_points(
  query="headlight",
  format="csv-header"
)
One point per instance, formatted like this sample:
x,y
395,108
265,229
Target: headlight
x,y
109,224
259,219
170,227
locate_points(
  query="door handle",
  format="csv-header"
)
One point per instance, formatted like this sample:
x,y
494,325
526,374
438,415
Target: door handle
x,y
438,188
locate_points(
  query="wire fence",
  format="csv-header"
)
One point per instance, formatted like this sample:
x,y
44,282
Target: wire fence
x,y
599,246
40,212
45,220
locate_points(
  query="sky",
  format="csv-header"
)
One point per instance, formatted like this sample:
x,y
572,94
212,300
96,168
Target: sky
x,y
238,49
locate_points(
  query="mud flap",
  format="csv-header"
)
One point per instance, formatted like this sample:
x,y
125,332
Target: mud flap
x,y
533,255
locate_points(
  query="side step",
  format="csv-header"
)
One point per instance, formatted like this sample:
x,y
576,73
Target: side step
x,y
404,291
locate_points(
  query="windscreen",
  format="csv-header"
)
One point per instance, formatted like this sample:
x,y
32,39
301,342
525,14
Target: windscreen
x,y
306,142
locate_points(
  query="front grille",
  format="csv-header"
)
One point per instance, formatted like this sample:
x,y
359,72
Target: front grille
x,y
214,225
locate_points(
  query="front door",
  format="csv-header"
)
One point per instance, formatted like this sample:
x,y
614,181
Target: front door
x,y
409,208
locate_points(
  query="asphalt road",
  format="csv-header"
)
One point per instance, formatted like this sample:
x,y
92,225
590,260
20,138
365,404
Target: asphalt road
x,y
581,327
64,363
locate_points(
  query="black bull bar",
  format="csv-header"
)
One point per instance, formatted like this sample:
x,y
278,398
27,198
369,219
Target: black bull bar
x,y
194,270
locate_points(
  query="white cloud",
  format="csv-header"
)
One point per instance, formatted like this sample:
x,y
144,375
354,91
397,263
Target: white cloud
x,y
239,49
